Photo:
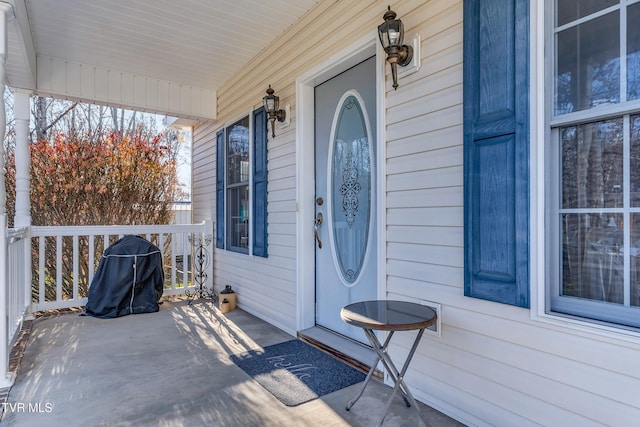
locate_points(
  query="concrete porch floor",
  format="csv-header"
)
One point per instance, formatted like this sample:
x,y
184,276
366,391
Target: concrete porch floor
x,y
171,368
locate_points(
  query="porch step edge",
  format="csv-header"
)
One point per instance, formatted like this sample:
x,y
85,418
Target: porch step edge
x,y
353,353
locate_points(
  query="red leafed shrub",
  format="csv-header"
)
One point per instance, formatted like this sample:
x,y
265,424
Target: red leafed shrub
x,y
113,179
105,180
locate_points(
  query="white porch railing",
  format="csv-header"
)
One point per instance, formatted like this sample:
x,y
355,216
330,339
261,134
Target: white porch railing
x,y
65,259
17,297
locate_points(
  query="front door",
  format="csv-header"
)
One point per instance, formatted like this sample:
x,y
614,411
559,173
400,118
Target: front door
x,y
345,147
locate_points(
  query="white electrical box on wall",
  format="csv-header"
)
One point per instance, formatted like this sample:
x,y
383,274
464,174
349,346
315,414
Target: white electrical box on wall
x,y
434,329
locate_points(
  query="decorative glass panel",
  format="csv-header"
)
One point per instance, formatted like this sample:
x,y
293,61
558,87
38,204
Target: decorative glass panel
x,y
351,188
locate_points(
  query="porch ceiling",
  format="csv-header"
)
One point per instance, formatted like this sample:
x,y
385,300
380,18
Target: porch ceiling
x,y
195,43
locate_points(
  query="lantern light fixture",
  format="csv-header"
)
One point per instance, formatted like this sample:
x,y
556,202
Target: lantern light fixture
x,y
391,33
272,107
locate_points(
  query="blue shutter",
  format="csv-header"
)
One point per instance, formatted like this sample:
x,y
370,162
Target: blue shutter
x,y
259,190
496,150
220,189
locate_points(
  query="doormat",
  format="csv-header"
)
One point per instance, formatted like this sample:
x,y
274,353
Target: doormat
x,y
296,372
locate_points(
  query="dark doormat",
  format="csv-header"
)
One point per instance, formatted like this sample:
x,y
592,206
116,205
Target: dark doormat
x,y
296,372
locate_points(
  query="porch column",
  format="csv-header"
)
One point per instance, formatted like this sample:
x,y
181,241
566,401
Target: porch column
x,y
21,112
5,379
22,217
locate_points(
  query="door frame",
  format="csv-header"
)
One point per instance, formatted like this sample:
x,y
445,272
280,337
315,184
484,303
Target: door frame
x,y
305,169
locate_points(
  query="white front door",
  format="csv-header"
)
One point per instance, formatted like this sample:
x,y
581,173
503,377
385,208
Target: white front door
x,y
345,147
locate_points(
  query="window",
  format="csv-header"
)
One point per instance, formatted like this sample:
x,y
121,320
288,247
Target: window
x,y
237,185
593,182
241,185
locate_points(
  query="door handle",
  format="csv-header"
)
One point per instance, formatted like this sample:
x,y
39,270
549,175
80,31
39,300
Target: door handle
x,y
317,223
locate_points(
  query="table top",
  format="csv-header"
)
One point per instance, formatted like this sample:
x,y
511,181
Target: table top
x,y
388,315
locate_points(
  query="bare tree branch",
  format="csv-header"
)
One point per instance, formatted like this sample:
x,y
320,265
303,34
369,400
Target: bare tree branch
x,y
41,132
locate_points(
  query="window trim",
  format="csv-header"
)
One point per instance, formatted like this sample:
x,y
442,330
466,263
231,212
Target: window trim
x,y
227,247
541,123
249,184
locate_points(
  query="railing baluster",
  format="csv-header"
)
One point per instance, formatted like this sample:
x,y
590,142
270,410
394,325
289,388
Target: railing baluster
x,y
76,267
58,268
185,260
174,254
91,262
11,302
41,269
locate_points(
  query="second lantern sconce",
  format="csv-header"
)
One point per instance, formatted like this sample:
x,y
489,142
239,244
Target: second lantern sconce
x,y
272,107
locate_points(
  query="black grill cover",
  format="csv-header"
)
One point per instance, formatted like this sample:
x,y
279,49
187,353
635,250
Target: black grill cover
x,y
129,279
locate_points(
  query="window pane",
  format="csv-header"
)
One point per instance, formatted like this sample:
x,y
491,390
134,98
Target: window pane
x,y
635,161
635,259
570,10
238,217
592,165
633,51
238,152
593,257
588,65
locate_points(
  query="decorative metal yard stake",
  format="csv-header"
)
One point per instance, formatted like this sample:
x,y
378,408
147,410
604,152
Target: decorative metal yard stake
x,y
201,261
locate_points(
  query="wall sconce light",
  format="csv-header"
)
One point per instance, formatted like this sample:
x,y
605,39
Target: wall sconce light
x,y
391,33
272,107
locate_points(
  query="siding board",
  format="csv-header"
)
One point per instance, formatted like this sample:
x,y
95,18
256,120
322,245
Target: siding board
x,y
441,119
426,160
441,138
439,236
444,275
444,196
443,177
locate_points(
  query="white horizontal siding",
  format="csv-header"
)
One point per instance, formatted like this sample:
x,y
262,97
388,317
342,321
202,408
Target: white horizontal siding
x,y
440,138
492,365
436,273
203,160
426,235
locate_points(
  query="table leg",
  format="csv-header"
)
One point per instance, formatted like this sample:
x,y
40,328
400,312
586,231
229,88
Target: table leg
x,y
396,376
373,366
381,349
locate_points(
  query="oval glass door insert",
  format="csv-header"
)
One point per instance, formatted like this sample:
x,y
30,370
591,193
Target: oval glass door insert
x,y
350,188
